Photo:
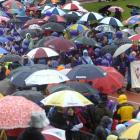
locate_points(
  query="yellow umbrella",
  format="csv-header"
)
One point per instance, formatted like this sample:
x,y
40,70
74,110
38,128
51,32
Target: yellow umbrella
x,y
66,98
131,132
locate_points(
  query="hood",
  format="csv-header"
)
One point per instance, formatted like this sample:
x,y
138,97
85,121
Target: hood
x,y
122,99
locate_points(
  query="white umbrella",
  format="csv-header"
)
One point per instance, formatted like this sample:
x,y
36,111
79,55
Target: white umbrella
x,y
66,98
105,28
65,71
42,52
45,9
111,21
122,49
129,31
43,77
35,26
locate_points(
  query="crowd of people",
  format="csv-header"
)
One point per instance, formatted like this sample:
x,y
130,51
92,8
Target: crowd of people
x,y
105,119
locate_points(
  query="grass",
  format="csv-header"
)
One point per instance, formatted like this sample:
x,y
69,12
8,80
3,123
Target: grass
x,y
122,3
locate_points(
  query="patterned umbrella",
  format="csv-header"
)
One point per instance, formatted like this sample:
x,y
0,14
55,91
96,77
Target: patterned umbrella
x,y
66,98
111,21
75,13
16,112
132,20
42,53
90,16
70,6
34,21
45,9
77,27
60,44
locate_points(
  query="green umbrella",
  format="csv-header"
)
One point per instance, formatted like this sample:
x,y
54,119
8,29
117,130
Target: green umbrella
x,y
85,41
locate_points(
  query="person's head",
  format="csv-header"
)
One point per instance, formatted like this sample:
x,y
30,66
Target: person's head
x,y
122,99
28,35
85,52
70,111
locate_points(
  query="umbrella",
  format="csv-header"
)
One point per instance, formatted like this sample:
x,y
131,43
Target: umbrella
x,y
77,27
132,20
122,49
3,40
3,51
42,53
108,49
34,96
71,17
135,37
133,6
15,21
45,9
113,9
70,6
6,88
2,13
105,28
129,31
110,83
54,134
41,42
3,18
34,21
35,26
43,77
66,98
10,58
111,21
16,112
90,16
65,71
86,71
74,13
55,11
131,132
85,41
60,44
54,27
56,18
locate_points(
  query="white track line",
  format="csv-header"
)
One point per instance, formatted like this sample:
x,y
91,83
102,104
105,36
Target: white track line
x,y
128,101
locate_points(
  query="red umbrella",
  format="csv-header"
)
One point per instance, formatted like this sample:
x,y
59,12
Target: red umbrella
x,y
55,18
34,21
135,37
10,4
110,83
60,44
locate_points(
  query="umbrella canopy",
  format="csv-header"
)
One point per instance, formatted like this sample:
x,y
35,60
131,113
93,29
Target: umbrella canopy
x,y
16,112
70,6
54,134
6,88
45,9
74,13
2,13
111,21
56,18
10,58
90,16
34,96
55,11
132,20
105,28
54,27
3,51
3,18
66,98
109,49
122,49
77,27
43,77
3,40
135,37
60,44
128,31
113,9
131,132
42,53
86,71
34,21
110,83
85,41
35,27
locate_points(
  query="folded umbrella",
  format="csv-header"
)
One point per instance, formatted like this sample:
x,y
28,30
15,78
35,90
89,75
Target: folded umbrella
x,y
87,71
66,98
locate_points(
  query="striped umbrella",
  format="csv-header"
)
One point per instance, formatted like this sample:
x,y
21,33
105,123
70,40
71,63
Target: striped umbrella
x,y
55,11
111,21
70,6
132,20
45,9
90,16
77,27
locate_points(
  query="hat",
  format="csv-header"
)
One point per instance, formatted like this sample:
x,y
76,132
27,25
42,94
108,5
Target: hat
x,y
122,99
119,34
85,51
39,120
112,137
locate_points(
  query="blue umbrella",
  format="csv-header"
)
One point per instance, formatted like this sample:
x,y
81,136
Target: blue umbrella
x,y
3,51
4,39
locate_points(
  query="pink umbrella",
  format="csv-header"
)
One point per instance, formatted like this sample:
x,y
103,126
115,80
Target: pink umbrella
x,y
16,112
113,9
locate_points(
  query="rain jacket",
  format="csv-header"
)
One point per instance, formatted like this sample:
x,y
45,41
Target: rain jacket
x,y
125,110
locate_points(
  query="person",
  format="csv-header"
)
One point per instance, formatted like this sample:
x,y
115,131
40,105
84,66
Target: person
x,y
118,14
73,123
2,73
124,109
86,58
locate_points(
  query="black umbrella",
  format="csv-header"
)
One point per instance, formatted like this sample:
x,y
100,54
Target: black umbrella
x,y
108,49
56,27
71,17
10,58
6,88
133,6
32,95
86,71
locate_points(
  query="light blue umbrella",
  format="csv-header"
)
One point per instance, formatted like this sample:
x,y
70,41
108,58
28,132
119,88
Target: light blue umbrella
x,y
3,51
